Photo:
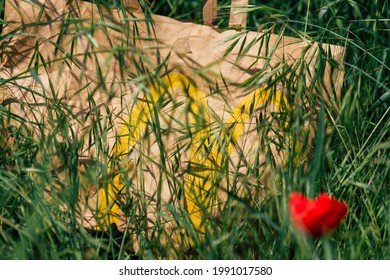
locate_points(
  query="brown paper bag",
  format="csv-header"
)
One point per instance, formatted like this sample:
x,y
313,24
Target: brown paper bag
x,y
97,63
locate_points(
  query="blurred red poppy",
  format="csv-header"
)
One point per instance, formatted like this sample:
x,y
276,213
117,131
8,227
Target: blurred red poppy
x,y
316,217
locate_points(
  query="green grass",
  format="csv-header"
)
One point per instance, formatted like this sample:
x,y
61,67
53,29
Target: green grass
x,y
351,161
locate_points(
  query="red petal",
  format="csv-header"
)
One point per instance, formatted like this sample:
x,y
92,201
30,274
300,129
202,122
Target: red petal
x,y
318,216
335,211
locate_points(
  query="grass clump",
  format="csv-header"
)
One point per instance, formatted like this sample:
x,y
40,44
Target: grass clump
x,y
42,178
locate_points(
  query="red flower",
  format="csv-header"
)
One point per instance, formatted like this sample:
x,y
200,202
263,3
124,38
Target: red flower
x,y
316,217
